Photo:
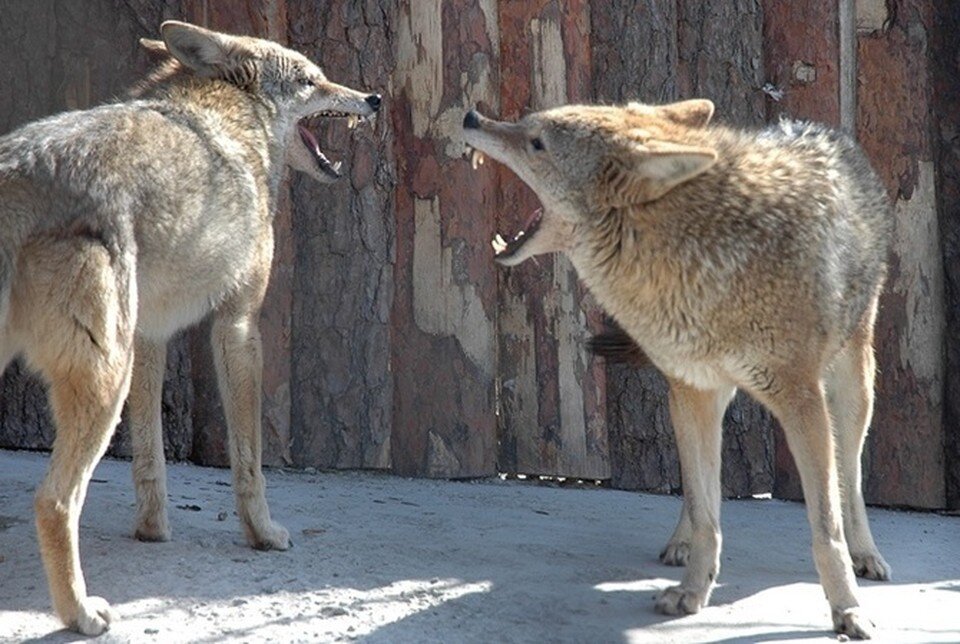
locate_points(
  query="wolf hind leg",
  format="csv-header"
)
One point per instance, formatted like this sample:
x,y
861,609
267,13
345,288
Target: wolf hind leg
x,y
149,464
76,307
697,417
237,352
802,411
849,386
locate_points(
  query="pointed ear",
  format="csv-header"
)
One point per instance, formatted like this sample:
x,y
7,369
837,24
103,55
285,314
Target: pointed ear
x,y
696,112
206,52
647,171
155,49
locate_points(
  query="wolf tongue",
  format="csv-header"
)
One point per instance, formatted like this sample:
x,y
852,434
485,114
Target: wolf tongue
x,y
309,139
311,142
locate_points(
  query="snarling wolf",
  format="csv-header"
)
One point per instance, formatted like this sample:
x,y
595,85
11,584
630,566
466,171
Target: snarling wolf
x,y
123,224
731,259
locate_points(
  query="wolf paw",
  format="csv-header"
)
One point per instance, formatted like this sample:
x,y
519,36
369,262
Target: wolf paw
x,y
851,623
152,529
675,553
680,601
273,537
93,616
871,565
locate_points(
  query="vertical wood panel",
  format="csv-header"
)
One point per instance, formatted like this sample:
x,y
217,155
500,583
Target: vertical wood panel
x,y
658,52
946,101
342,392
443,318
635,58
62,55
721,57
802,60
552,409
904,460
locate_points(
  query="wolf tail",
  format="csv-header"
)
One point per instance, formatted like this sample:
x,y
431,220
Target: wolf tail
x,y
615,346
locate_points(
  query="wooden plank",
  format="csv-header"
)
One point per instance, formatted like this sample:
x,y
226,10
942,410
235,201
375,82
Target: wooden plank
x,y
635,58
443,316
265,20
658,52
945,25
802,65
80,55
341,385
552,411
904,460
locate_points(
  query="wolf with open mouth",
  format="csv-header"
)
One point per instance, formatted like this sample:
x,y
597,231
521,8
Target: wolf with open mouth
x,y
127,222
732,259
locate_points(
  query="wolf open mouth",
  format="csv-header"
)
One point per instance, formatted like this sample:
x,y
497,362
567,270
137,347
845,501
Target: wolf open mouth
x,y
502,248
310,140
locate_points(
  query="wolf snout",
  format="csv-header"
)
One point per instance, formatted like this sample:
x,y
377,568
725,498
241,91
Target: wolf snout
x,y
374,101
471,121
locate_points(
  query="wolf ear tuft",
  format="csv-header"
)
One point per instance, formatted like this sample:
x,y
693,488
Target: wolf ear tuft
x,y
206,52
694,113
647,171
155,49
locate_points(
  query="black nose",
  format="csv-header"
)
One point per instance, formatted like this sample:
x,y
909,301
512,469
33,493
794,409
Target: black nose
x,y
471,121
373,101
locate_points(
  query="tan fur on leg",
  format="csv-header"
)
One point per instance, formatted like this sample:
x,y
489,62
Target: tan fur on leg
x,y
149,466
697,416
849,387
802,412
75,308
238,356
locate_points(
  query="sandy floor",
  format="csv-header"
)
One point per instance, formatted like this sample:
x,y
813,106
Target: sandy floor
x,y
384,559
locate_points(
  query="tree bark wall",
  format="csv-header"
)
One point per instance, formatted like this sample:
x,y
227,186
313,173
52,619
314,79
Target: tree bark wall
x,y
392,341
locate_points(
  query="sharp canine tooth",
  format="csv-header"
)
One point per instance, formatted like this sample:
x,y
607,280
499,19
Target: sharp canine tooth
x,y
475,158
480,158
352,121
499,244
336,166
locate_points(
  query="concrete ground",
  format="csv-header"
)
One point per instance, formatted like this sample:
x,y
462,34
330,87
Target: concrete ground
x,y
379,558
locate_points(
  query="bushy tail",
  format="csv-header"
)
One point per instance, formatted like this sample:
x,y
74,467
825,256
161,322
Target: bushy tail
x,y
615,346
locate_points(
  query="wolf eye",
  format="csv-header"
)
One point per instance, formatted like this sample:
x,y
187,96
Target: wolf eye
x,y
303,80
537,144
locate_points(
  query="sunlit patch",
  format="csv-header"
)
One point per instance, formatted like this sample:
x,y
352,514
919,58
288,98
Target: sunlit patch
x,y
325,614
635,586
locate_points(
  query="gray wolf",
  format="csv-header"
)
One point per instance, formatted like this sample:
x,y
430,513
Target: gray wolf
x,y
127,222
732,259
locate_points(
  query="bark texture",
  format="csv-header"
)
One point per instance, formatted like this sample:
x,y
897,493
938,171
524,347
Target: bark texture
x,y
343,249
552,409
658,52
392,341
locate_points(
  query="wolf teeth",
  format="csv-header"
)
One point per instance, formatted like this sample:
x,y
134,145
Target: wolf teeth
x,y
337,165
499,244
476,158
352,121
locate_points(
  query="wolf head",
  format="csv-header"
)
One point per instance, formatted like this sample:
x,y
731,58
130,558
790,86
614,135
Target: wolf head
x,y
582,161
293,86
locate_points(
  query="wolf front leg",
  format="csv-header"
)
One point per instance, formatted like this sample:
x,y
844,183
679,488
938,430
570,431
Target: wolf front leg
x,y
677,550
697,417
149,465
802,411
239,361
